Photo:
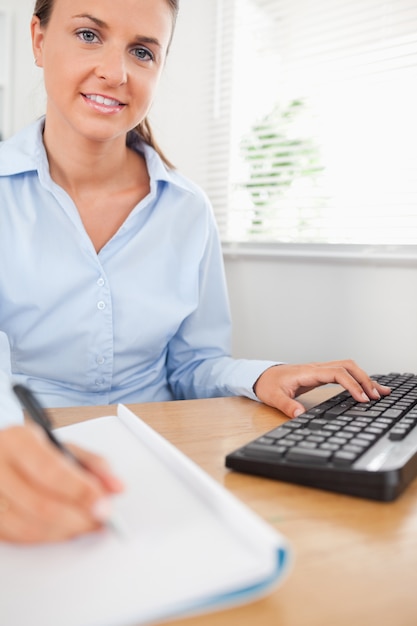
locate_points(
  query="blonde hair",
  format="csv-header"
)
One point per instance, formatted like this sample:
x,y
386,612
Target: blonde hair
x,y
43,10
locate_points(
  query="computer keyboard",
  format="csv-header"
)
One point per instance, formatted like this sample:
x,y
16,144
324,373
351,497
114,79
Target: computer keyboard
x,y
362,449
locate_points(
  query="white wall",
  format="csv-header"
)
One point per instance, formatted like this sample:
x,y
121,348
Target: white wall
x,y
285,308
26,83
304,310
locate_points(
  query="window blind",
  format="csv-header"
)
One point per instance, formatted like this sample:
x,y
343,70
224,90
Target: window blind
x,y
313,128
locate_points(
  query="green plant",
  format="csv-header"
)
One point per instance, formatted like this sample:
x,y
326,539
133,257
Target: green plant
x,y
278,155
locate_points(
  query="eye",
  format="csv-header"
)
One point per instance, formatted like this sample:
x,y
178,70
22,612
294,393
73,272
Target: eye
x,y
87,36
143,54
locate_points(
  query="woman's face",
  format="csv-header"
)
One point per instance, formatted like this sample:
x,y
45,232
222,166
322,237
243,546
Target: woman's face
x,y
102,61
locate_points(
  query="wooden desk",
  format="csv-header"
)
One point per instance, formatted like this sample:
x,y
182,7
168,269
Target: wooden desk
x,y
355,561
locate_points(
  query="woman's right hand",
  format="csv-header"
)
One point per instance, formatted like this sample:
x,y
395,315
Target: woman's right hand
x,y
45,496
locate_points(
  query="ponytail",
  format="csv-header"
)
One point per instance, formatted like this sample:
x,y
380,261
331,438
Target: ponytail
x,y
145,132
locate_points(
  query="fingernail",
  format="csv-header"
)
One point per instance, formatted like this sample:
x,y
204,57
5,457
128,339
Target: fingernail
x,y
298,412
365,397
115,483
101,510
376,394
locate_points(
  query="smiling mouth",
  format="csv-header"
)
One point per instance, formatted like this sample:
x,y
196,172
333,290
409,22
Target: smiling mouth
x,y
103,100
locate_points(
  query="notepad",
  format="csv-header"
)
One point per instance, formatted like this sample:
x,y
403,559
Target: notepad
x,y
187,546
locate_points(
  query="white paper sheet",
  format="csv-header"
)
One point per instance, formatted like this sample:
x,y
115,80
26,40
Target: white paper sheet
x,y
188,545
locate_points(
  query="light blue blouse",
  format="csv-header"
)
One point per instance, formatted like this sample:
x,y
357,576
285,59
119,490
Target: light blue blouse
x,y
146,319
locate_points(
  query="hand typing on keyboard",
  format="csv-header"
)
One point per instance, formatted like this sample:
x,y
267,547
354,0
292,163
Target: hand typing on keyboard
x,y
366,449
279,385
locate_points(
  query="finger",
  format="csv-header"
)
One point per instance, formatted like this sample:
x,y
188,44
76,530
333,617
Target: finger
x,y
339,374
98,466
286,404
19,526
383,390
43,507
293,408
46,469
345,373
372,389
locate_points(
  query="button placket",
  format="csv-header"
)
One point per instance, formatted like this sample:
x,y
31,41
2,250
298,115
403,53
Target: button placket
x,y
103,358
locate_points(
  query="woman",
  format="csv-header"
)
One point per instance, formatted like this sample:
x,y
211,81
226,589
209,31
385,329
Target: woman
x,y
118,290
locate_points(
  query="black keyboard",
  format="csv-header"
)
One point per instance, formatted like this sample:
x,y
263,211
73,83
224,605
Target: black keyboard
x,y
362,449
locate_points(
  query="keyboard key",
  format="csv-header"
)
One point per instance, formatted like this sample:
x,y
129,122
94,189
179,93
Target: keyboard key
x,y
279,432
359,412
336,423
329,446
335,411
351,448
368,436
344,458
321,433
384,421
286,442
331,427
302,420
397,434
307,444
317,424
405,421
295,437
352,429
360,421
345,434
266,440
260,450
339,441
363,443
315,438
392,413
304,455
374,430
306,432
318,410
294,425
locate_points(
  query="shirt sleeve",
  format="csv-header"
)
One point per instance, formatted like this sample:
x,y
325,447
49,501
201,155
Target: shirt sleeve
x,y
199,360
10,410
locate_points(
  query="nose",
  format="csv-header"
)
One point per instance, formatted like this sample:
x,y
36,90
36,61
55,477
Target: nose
x,y
112,67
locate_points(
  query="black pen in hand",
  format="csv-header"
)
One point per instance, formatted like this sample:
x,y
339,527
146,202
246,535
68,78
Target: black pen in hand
x,y
38,414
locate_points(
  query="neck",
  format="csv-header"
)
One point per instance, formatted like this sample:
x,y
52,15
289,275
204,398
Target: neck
x,y
105,179
77,162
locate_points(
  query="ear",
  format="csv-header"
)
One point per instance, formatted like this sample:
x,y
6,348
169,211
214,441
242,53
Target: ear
x,y
38,34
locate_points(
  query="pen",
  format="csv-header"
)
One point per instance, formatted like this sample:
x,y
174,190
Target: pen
x,y
38,414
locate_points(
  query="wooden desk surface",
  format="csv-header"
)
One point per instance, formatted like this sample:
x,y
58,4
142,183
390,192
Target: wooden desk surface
x,y
355,561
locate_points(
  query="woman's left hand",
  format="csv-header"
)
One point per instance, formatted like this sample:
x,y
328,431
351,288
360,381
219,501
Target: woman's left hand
x,y
280,384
